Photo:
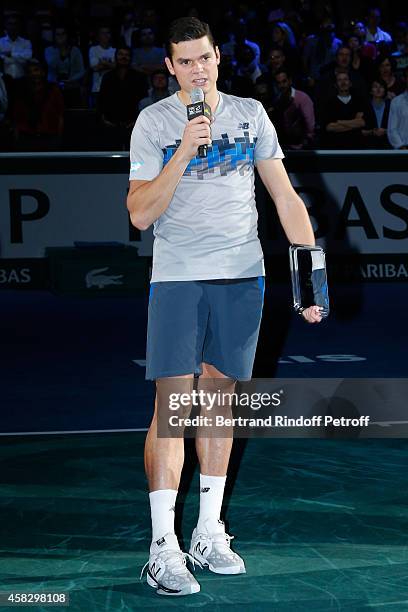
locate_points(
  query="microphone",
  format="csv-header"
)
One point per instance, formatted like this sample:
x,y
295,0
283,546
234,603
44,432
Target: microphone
x,y
199,107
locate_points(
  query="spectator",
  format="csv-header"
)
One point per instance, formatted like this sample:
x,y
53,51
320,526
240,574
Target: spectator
x,y
276,61
283,38
374,32
3,98
38,111
146,57
15,51
320,50
326,86
398,120
359,62
343,116
121,91
101,60
376,119
159,89
229,82
368,49
247,65
262,92
65,67
401,56
238,36
128,29
386,71
293,114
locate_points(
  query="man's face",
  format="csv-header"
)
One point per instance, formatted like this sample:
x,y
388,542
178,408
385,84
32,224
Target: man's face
x,y
104,36
35,72
283,82
378,90
159,81
60,36
276,59
359,29
374,18
147,37
343,57
194,63
123,57
343,83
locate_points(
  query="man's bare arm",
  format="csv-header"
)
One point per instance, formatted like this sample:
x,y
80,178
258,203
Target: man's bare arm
x,y
291,209
147,200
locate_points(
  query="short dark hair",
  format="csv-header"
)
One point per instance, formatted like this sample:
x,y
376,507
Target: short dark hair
x,y
283,71
187,28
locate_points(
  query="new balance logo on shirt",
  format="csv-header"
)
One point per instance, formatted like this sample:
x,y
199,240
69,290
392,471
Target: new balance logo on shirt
x,y
205,489
243,126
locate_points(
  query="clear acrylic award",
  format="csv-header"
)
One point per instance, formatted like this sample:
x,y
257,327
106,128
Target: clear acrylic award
x,y
309,278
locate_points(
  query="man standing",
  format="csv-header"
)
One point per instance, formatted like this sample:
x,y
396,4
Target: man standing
x,y
293,114
207,282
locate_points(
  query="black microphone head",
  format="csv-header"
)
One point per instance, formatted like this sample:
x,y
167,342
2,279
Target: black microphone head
x,y
197,95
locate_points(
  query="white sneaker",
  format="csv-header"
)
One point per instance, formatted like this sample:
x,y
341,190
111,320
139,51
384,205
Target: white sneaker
x,y
211,546
167,570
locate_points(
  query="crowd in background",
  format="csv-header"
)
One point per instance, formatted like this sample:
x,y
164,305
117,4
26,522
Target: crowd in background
x,y
324,84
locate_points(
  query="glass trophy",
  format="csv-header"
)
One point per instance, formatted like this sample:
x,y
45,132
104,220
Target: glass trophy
x,y
309,278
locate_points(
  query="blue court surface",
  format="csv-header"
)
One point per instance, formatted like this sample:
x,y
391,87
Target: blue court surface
x,y
77,364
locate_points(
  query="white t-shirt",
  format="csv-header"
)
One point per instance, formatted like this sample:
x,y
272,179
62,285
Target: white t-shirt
x,y
97,53
210,228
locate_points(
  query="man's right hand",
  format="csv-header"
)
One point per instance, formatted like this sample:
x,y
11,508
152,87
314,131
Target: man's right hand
x,y
197,132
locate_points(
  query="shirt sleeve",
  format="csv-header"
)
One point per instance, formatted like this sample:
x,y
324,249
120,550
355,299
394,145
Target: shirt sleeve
x,y
267,145
146,156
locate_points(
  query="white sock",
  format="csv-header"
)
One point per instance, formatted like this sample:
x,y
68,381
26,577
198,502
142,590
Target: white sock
x,y
211,494
162,508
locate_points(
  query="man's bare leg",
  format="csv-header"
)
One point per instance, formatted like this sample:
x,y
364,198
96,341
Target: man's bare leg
x,y
164,458
213,451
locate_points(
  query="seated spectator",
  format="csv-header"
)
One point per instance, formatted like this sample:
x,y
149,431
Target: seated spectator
x,y
159,89
147,57
128,28
293,114
282,38
229,82
262,92
319,50
65,67
239,36
386,71
275,61
247,65
326,86
121,91
401,56
38,111
374,32
3,98
376,119
15,51
368,49
398,119
101,60
359,62
343,116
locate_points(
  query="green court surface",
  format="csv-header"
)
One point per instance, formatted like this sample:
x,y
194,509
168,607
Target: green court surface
x,y
322,524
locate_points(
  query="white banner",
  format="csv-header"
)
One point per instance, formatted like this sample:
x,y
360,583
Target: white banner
x,y
365,211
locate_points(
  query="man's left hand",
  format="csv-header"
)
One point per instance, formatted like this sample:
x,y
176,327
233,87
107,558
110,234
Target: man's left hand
x,y
312,314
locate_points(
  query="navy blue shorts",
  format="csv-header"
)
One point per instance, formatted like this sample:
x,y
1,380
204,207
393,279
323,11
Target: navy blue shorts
x,y
214,321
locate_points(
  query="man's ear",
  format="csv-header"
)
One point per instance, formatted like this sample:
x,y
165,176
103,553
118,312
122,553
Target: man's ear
x,y
169,65
217,55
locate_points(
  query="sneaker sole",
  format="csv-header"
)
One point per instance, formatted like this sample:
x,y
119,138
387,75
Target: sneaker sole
x,y
193,588
231,570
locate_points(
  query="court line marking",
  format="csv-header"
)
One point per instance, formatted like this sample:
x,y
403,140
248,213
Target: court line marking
x,y
80,431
